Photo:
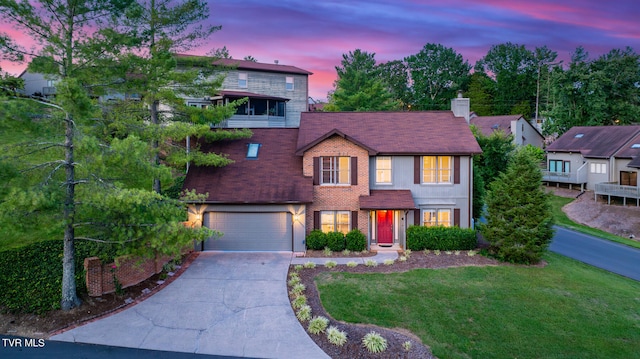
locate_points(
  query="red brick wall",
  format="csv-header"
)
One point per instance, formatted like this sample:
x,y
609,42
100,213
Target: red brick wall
x,y
338,197
128,271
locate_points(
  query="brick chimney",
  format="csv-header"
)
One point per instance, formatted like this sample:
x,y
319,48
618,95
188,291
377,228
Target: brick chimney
x,y
460,107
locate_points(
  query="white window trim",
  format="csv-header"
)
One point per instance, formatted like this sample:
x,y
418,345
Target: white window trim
x,y
335,173
242,76
437,182
335,215
289,81
598,168
437,210
390,169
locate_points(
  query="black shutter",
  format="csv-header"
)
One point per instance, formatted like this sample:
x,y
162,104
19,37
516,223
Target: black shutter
x,y
354,171
416,169
456,217
354,219
417,218
316,219
316,171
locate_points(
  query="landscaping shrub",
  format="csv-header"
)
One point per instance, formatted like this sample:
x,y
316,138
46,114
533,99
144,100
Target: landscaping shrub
x,y
335,241
440,238
355,240
31,276
316,240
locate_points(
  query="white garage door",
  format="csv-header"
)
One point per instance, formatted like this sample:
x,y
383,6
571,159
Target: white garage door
x,y
250,231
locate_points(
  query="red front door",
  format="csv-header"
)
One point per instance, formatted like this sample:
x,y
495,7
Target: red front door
x,y
385,227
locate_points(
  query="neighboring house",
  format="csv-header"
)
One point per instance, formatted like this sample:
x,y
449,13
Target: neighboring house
x,y
605,159
524,133
277,94
379,172
37,84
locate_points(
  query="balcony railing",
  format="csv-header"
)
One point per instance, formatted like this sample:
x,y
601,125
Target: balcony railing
x,y
616,190
252,121
577,177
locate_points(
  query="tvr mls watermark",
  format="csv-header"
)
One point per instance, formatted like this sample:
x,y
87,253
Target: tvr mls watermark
x,y
23,343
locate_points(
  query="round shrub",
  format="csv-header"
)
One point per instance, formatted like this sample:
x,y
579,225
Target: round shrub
x,y
355,240
335,241
316,240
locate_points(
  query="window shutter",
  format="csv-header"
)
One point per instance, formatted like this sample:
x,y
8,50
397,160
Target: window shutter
x,y
416,169
456,169
456,217
417,218
316,219
354,219
354,171
316,171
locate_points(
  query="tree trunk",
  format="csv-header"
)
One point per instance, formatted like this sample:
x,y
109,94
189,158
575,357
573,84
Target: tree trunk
x,y
69,296
156,145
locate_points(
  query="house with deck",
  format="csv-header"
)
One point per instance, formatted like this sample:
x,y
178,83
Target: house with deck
x,y
523,132
379,172
276,94
605,159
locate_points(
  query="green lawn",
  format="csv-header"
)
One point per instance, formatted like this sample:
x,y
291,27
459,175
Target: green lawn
x,y
564,310
561,219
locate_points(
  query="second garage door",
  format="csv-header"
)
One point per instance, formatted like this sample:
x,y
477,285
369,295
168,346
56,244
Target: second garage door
x,y
250,231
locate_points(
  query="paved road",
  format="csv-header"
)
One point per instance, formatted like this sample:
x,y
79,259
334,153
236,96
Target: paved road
x,y
614,257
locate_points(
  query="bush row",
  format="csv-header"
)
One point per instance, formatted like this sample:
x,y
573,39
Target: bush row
x,y
440,237
31,276
336,241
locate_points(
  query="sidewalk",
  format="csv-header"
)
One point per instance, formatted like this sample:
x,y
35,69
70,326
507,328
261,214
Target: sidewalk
x,y
380,257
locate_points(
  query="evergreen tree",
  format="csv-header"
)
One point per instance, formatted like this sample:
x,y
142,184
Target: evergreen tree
x,y
359,87
519,221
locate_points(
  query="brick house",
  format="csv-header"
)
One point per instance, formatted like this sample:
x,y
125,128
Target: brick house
x,y
379,172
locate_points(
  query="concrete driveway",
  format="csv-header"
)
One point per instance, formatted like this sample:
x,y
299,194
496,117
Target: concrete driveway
x,y
232,304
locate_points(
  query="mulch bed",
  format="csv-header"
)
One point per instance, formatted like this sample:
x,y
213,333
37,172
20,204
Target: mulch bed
x,y
396,337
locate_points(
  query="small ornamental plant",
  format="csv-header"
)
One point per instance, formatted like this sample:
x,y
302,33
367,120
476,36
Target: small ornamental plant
x,y
330,264
371,263
318,325
298,289
309,265
346,252
298,267
471,253
436,252
304,313
299,301
293,281
407,345
336,336
388,262
449,252
402,259
352,264
327,252
374,342
426,252
407,253
456,253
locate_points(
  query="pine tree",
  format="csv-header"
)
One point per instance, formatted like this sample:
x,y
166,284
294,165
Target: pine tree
x,y
519,222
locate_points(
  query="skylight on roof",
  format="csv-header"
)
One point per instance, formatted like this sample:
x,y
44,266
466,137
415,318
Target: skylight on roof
x,y
635,145
579,135
252,151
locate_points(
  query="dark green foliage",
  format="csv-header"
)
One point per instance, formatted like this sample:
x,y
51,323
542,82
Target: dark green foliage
x,y
496,152
441,238
316,240
355,240
519,219
31,276
335,241
479,192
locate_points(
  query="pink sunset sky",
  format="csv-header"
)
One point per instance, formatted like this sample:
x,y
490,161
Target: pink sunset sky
x,y
313,35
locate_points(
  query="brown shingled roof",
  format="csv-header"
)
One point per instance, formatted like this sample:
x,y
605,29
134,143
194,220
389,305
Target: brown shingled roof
x,y
416,132
259,66
594,141
488,124
274,177
388,199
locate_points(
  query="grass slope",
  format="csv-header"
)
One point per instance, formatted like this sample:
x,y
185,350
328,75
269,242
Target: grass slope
x,y
564,310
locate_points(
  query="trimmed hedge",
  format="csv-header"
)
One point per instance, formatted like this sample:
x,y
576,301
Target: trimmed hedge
x,y
440,237
335,241
31,276
316,240
355,240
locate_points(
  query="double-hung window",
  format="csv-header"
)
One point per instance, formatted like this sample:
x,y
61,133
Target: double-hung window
x,y
335,170
383,169
437,169
436,217
289,83
242,80
600,168
335,221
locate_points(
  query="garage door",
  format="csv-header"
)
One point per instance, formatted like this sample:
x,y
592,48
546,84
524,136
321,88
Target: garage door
x,y
250,231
